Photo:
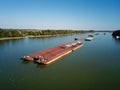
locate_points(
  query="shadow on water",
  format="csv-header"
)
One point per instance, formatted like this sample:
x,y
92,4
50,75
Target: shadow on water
x,y
41,66
26,62
38,66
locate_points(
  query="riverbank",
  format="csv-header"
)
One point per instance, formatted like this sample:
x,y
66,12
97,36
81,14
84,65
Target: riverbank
x,y
8,38
39,36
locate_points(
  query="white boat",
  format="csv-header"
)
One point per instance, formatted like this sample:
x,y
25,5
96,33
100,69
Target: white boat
x,y
117,37
88,39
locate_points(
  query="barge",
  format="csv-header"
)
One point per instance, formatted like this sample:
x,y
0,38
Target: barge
x,y
52,54
79,38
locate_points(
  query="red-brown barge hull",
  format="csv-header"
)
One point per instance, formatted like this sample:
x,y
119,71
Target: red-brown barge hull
x,y
52,54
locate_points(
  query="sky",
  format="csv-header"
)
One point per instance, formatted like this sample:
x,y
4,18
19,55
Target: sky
x,y
60,14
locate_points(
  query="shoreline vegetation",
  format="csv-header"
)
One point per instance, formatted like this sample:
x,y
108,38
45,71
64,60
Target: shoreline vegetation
x,y
6,34
116,33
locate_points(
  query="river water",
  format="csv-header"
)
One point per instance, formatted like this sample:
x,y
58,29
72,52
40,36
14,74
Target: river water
x,y
95,66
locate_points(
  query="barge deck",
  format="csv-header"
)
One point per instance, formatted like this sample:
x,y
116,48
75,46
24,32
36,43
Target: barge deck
x,y
52,54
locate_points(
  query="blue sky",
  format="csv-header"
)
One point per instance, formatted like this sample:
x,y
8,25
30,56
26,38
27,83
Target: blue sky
x,y
60,14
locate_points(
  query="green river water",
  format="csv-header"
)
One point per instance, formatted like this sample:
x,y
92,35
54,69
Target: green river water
x,y
95,66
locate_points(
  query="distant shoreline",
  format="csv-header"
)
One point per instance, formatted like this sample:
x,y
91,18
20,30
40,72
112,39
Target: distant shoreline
x,y
6,34
8,38
40,36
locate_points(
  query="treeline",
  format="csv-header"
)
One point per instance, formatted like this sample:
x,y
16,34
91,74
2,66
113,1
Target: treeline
x,y
25,32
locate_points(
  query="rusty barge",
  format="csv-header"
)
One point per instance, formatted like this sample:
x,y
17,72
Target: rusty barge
x,y
52,54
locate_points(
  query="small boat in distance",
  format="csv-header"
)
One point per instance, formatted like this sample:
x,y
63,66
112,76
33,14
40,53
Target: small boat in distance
x,y
91,35
88,39
96,34
117,37
104,33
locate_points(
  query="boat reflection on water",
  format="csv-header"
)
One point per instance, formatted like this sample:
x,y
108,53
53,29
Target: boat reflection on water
x,y
42,66
38,66
26,62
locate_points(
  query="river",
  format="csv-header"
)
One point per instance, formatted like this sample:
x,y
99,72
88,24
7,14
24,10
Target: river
x,y
95,66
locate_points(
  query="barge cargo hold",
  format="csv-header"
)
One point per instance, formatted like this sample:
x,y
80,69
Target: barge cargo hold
x,y
52,54
79,38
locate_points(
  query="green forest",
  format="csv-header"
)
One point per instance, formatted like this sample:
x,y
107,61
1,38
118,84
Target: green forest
x,y
34,32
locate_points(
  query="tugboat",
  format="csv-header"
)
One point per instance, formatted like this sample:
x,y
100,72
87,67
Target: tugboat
x,y
28,58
